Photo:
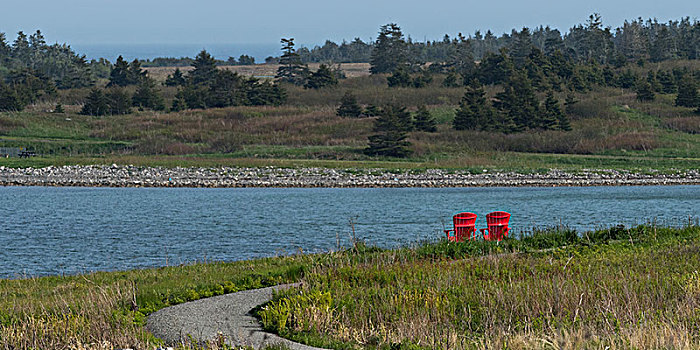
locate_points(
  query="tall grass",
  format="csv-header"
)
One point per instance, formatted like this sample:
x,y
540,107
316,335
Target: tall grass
x,y
552,289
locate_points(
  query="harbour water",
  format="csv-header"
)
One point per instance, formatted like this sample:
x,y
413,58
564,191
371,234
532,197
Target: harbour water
x,y
67,230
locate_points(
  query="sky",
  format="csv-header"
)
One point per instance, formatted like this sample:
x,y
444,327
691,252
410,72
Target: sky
x,y
310,22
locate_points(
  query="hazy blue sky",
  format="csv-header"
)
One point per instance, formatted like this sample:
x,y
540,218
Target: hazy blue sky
x,y
309,21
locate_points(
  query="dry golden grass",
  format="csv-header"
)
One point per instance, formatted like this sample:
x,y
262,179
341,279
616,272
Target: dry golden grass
x,y
351,70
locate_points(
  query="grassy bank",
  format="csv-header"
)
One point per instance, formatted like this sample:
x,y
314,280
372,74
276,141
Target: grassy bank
x,y
618,287
615,288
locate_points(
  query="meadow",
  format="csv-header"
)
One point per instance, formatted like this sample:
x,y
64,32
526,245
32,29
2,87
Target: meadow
x,y
550,288
611,129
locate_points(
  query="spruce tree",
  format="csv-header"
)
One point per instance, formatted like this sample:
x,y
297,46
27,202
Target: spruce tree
x,y
205,70
518,102
119,76
644,91
687,93
450,80
668,85
321,78
9,100
95,104
119,101
400,78
372,111
551,113
389,138
473,113
179,104
175,79
390,50
291,69
424,121
348,106
135,73
146,96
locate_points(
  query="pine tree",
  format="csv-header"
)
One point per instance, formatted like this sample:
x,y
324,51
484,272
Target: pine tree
x,y
424,121
119,101
146,96
175,79
135,73
205,70
668,85
372,111
450,80
389,50
400,78
95,104
687,93
291,69
551,114
321,78
518,101
9,100
58,108
422,80
119,76
644,91
473,113
389,138
179,104
348,106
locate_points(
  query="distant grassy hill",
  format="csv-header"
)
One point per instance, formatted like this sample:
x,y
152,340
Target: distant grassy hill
x,y
611,129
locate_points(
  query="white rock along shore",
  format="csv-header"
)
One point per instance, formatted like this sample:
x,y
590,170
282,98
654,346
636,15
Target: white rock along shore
x,y
132,176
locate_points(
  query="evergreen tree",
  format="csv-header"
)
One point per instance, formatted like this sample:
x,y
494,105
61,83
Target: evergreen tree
x,y
348,106
321,78
668,84
291,69
450,80
9,100
473,113
205,70
179,104
175,79
551,114
372,111
119,101
569,102
135,73
245,60
95,104
119,76
687,93
424,121
518,102
644,91
146,96
389,138
422,80
390,50
59,109
400,78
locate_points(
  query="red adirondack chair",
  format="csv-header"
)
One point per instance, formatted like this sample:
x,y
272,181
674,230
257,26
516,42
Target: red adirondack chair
x,y
497,223
464,227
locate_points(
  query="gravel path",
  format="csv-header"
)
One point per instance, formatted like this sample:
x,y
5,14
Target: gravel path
x,y
228,315
131,176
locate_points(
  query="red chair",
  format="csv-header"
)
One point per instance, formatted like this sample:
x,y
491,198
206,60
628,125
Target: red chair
x,y
464,227
497,223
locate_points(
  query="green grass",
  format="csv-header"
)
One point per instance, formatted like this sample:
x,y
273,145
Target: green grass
x,y
639,290
616,288
611,129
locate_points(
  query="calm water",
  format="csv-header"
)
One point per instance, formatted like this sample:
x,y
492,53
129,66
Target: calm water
x,y
48,230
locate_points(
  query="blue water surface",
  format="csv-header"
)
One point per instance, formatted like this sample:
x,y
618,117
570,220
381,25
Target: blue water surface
x,y
48,231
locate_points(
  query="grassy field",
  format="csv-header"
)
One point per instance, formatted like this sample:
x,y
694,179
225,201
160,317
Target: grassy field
x,y
624,288
616,288
611,129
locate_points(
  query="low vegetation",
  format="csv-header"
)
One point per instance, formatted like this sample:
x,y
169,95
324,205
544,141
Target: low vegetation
x,y
556,287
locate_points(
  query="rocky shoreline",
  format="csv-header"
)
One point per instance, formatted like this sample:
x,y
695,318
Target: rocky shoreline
x,y
224,177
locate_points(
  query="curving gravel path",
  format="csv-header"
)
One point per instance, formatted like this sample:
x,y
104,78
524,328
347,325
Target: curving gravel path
x,y
228,315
